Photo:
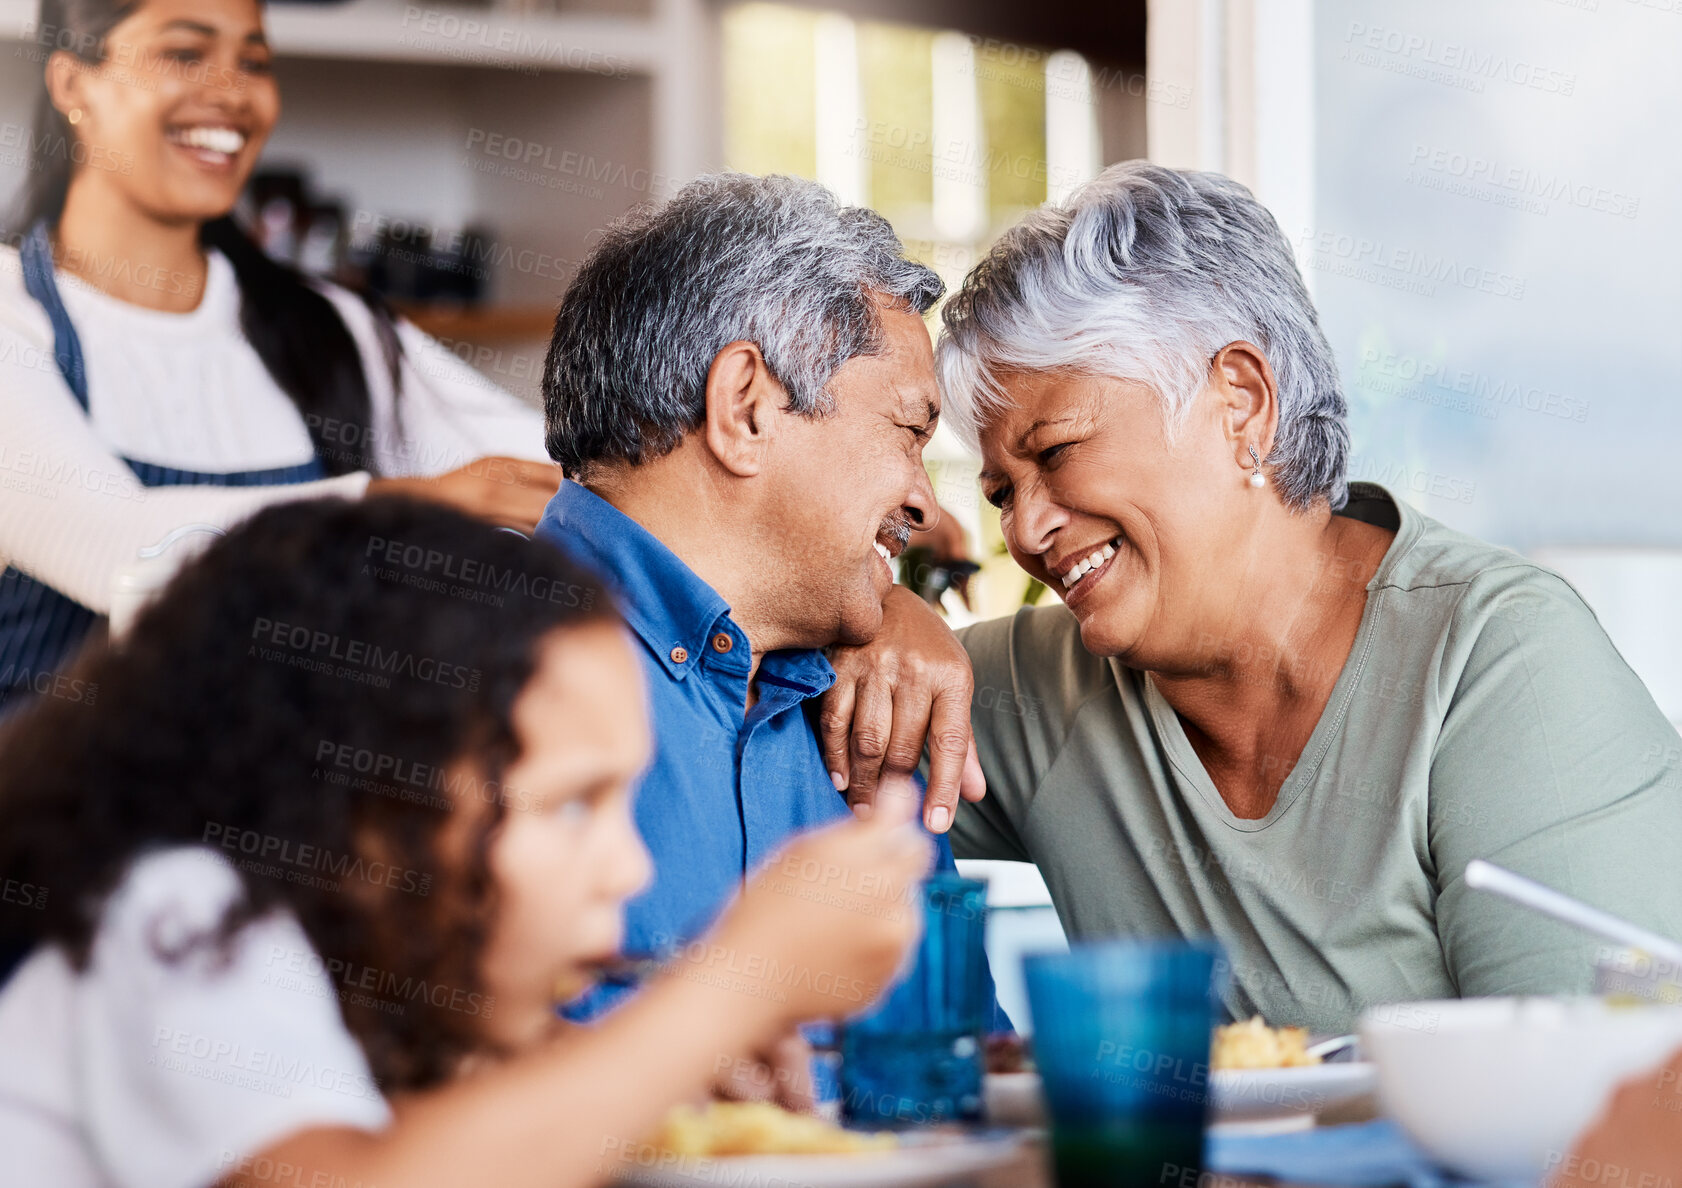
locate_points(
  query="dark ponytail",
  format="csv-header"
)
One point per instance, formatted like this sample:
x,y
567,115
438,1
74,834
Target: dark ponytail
x,y
293,327
307,348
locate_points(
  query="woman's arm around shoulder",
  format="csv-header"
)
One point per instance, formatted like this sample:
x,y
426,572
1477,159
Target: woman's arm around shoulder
x,y
72,513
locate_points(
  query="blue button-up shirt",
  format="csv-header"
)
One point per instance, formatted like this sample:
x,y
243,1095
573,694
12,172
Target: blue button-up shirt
x,y
727,785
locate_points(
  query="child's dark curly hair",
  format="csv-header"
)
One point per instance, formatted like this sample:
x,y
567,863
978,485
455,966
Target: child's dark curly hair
x,y
331,674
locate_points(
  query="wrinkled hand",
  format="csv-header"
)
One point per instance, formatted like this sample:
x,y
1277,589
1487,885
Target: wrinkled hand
x,y
1637,1140
510,492
913,681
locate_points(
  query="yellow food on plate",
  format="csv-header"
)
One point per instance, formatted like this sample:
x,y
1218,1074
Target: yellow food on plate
x,y
1253,1044
758,1128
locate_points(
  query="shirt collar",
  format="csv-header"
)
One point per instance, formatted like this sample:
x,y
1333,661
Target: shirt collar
x,y
662,599
804,671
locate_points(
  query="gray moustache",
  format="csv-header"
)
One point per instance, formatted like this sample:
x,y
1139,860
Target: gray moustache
x,y
897,530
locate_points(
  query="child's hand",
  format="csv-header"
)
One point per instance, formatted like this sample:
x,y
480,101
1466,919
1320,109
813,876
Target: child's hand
x,y
824,927
1635,1137
781,1071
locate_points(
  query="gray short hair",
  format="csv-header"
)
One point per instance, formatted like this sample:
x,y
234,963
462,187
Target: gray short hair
x,y
1145,275
776,261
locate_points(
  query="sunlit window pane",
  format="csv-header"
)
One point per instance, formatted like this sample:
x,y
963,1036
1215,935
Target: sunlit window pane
x,y
1011,84
770,105
898,104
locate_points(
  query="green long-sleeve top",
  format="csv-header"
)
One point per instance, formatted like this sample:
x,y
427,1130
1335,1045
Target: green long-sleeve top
x,y
1482,712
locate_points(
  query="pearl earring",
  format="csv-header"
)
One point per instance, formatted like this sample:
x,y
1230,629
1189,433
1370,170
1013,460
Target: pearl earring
x,y
75,116
1257,478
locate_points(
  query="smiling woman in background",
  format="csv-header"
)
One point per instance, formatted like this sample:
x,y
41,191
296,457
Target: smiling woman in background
x,y
147,343
1274,707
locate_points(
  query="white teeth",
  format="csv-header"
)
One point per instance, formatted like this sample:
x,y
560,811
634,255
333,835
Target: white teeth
x,y
1087,564
883,549
217,140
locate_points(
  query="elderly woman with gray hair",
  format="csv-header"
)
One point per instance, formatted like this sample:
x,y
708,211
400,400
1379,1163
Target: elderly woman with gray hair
x,y
1273,706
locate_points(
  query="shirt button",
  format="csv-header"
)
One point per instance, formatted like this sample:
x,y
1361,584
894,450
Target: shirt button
x,y
721,642
680,654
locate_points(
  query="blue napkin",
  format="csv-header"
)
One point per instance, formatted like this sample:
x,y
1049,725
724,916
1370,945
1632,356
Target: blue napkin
x,y
1369,1155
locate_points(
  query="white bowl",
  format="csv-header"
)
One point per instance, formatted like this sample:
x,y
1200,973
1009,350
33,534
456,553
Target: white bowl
x,y
1500,1088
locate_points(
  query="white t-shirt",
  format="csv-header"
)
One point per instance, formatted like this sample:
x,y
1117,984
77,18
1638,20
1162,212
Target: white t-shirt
x,y
139,1071
187,390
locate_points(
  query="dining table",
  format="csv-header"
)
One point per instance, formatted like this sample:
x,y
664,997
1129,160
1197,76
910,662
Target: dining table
x,y
1031,1168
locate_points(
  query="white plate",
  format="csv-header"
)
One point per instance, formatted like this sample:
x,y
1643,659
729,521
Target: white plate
x,y
1265,1094
922,1159
1236,1095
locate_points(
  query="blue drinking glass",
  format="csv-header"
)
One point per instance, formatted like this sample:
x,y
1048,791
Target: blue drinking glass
x,y
916,1058
1121,1037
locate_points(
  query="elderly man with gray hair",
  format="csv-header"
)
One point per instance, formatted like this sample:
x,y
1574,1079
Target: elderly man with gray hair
x,y
1273,706
739,389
